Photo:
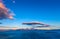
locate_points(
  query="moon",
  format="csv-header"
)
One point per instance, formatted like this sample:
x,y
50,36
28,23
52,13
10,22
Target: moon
x,y
13,1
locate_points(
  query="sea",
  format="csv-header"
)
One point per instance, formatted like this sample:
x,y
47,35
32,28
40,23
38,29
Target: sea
x,y
30,34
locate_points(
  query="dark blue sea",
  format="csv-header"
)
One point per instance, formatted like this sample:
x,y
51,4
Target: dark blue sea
x,y
30,34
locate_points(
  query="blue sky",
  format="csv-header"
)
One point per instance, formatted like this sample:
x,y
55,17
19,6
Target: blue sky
x,y
45,11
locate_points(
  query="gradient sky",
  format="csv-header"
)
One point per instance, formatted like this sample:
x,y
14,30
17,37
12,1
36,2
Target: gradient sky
x,y
45,11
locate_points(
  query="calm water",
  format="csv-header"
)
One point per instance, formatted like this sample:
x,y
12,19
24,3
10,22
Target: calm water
x,y
30,34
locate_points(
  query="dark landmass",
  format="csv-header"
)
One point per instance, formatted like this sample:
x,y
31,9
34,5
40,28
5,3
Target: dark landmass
x,y
30,34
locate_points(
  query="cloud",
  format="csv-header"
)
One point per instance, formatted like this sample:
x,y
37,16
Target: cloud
x,y
5,13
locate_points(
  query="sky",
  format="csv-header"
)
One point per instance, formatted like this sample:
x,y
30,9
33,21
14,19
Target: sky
x,y
45,11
